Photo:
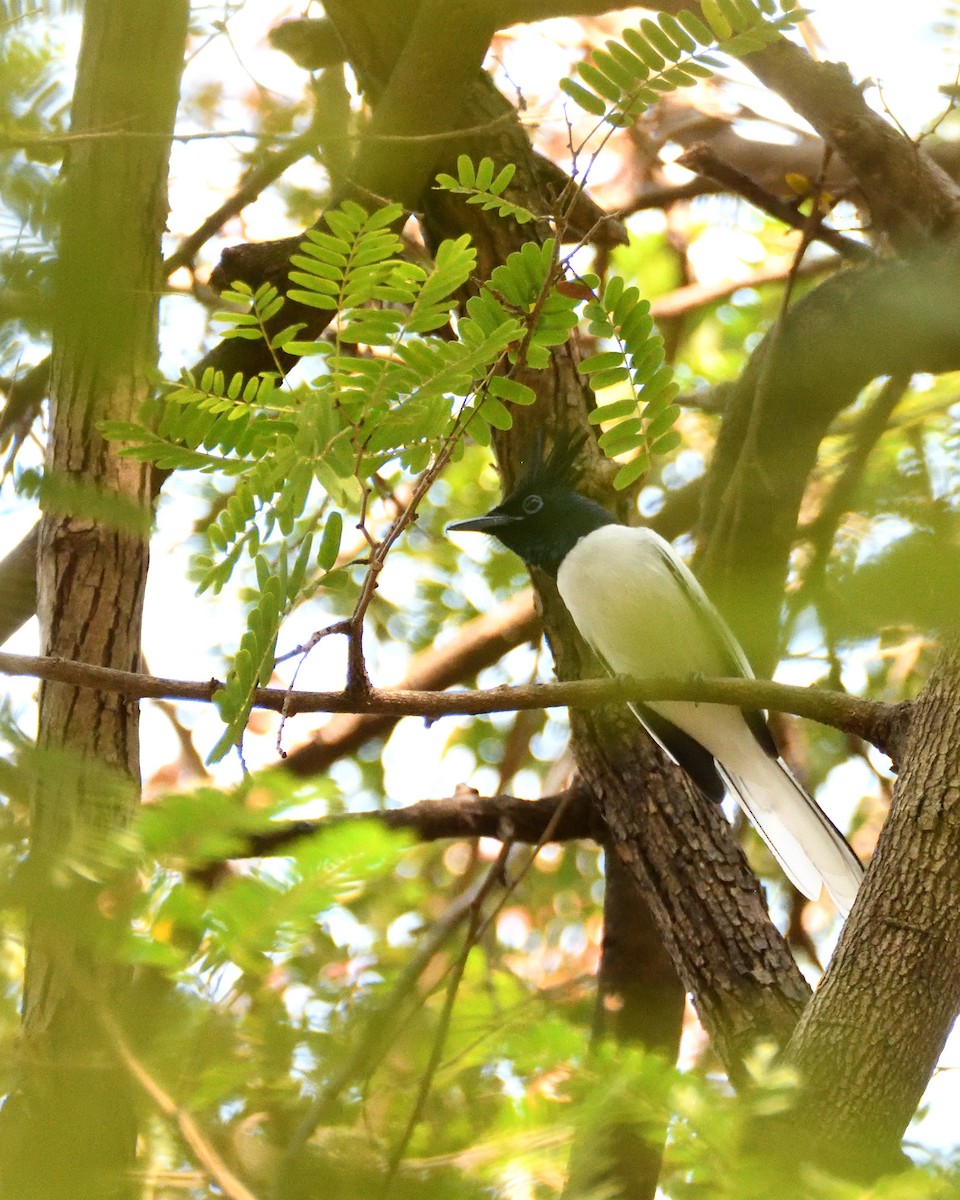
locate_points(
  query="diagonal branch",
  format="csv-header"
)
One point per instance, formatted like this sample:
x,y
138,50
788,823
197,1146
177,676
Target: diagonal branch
x,y
704,161
894,319
910,197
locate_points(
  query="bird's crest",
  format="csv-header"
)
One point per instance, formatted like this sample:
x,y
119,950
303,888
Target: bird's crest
x,y
558,467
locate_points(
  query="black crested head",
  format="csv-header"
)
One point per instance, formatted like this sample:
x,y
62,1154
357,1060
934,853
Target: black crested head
x,y
543,518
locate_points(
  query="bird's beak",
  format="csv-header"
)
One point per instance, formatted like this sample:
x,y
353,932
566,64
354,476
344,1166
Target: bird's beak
x,y
489,523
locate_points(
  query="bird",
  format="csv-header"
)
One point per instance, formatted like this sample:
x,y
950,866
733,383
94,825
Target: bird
x,y
642,612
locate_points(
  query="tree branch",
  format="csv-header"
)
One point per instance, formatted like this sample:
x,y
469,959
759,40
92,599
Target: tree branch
x,y
479,643
910,198
863,1054
202,1147
691,296
256,180
822,530
702,160
565,817
884,725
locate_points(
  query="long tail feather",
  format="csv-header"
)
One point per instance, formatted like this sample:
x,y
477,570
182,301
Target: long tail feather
x,y
802,838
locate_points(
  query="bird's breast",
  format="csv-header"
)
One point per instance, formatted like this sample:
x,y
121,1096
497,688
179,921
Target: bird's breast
x,y
627,604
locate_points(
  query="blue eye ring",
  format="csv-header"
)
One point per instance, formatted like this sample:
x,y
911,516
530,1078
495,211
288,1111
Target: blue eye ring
x,y
532,505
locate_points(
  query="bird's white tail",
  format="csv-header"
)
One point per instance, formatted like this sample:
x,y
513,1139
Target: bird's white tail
x,y
801,837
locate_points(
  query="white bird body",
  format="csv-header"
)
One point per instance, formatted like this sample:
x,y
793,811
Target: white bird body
x,y
643,613
640,609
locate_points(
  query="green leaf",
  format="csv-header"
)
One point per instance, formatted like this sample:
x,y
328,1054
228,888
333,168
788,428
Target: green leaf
x,y
676,32
495,413
696,69
511,390
662,422
385,216
627,433
614,68
597,80
503,179
695,27
484,176
611,294
738,17
642,48
601,362
606,379
715,18
630,472
660,379
586,100
636,69
668,442
613,411
287,337
479,429
330,542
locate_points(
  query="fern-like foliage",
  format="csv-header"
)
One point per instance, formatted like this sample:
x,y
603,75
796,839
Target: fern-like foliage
x,y
385,386
278,587
34,116
481,186
627,77
641,418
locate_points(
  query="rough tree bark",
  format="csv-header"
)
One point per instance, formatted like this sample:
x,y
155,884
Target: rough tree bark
x,y
680,855
868,1043
71,1130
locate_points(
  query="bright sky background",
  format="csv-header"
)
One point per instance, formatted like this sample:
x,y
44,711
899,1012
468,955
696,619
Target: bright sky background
x,y
891,43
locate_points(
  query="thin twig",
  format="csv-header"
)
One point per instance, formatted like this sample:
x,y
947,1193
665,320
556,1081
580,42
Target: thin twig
x,y
822,530
492,877
380,1029
190,1131
702,160
691,296
257,179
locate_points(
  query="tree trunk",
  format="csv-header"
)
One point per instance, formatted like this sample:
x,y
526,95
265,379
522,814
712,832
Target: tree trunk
x,y
723,945
870,1039
71,1129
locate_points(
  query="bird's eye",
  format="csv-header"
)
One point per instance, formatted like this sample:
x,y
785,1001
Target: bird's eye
x,y
532,504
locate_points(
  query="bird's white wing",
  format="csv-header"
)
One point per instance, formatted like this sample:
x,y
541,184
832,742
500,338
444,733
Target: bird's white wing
x,y
640,608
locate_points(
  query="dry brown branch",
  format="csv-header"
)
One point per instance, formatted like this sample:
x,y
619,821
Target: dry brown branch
x,y
190,1131
704,161
687,299
910,197
565,817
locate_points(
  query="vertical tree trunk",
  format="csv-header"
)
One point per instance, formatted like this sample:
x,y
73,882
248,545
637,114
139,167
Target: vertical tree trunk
x,y
71,1129
675,846
870,1039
